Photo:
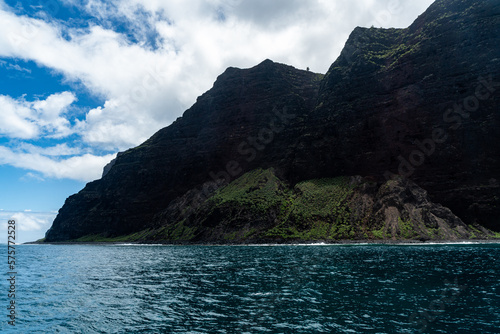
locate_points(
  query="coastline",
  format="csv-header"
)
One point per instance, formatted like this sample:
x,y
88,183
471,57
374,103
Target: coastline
x,y
297,243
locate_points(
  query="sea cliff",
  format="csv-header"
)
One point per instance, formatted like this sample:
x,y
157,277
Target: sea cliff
x,y
399,140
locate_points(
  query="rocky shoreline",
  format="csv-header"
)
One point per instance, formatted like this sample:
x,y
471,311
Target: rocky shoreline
x,y
298,243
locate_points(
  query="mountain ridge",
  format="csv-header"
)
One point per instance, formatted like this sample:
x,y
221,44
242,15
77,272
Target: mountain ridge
x,y
386,97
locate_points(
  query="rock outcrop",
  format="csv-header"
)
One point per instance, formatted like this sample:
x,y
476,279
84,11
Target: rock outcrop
x,y
260,207
420,102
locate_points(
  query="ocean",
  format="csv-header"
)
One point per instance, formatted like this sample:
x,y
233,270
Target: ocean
x,y
441,288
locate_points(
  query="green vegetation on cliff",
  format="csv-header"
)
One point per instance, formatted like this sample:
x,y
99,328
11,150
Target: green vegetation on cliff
x,y
315,210
260,207
258,191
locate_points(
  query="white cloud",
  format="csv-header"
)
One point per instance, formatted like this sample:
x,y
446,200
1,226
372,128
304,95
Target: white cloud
x,y
15,67
17,119
28,220
52,107
82,168
49,114
28,120
58,150
30,226
32,176
19,68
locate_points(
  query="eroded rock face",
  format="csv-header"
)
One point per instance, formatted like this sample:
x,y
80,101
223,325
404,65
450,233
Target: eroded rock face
x,y
259,207
421,102
406,210
250,118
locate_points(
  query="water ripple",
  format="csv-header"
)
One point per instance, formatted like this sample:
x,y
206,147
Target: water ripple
x,y
320,289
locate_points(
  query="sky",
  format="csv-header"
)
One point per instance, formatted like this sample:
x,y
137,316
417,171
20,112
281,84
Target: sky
x,y
81,80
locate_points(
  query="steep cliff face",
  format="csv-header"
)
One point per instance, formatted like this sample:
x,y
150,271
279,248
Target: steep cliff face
x,y
260,207
227,132
421,102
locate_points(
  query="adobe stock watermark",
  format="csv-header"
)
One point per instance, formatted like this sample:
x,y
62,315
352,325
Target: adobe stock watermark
x,y
11,273
454,117
248,151
426,316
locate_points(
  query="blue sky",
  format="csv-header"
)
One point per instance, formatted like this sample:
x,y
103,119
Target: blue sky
x,y
81,80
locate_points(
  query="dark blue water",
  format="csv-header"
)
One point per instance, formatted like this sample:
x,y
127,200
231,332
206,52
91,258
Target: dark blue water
x,y
286,289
